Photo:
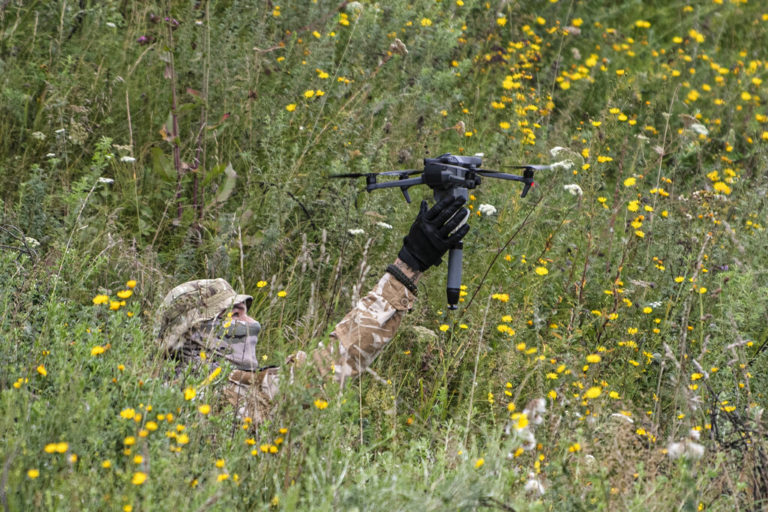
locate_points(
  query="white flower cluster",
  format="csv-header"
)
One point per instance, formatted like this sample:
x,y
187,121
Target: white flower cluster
x,y
574,189
486,209
565,165
688,447
534,416
356,231
699,128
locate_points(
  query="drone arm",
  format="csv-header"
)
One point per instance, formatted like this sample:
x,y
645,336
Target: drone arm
x,y
526,178
403,184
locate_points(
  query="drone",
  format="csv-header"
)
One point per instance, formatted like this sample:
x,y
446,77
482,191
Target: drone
x,y
448,176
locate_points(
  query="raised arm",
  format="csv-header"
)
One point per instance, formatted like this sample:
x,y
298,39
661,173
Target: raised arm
x,y
367,329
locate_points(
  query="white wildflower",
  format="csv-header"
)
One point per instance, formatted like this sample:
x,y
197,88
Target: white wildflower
x,y
621,416
686,448
110,24
31,241
675,450
384,225
127,159
699,128
533,485
557,150
106,180
38,135
535,410
565,165
60,131
50,155
354,7
574,189
694,450
486,209
694,434
356,231
528,439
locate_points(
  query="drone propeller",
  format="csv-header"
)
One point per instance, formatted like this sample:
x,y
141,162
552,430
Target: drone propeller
x,y
405,172
351,175
533,167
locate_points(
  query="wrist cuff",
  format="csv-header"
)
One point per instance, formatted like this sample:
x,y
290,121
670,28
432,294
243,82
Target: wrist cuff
x,y
400,276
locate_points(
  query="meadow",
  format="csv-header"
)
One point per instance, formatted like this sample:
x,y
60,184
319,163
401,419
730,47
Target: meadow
x,y
609,351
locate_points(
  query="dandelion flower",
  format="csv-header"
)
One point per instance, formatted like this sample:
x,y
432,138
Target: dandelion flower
x,y
630,182
60,447
593,358
125,294
321,404
204,409
593,392
100,299
189,393
290,107
98,349
542,271
33,473
722,188
139,478
131,284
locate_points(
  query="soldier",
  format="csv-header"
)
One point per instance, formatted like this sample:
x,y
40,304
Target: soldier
x,y
204,323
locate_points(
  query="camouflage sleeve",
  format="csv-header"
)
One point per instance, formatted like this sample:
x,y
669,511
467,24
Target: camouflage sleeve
x,y
366,330
353,345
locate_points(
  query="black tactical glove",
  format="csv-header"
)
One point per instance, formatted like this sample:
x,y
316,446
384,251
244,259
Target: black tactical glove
x,y
430,235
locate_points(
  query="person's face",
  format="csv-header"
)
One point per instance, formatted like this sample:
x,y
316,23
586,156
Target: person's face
x,y
240,313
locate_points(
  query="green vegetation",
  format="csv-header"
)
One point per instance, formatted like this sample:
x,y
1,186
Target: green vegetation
x,y
156,142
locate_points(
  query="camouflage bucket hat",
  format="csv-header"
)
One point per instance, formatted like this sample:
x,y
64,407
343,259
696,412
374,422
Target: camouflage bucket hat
x,y
191,304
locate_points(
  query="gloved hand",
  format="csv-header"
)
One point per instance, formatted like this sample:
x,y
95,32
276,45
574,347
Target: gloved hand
x,y
430,235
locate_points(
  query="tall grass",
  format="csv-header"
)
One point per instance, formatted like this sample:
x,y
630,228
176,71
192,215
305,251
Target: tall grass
x,y
157,142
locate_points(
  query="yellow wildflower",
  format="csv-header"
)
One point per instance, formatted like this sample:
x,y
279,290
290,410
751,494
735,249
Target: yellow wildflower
x,y
100,299
139,478
593,392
